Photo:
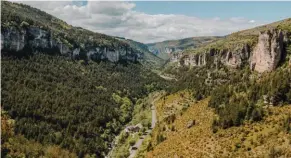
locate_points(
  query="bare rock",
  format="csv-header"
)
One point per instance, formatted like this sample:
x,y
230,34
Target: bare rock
x,y
190,123
35,40
268,51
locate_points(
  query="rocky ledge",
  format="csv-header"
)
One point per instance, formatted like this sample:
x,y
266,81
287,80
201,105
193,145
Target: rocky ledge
x,y
268,52
263,57
35,40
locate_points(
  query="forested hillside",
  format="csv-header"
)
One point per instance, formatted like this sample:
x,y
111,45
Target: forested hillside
x,y
150,58
77,106
65,86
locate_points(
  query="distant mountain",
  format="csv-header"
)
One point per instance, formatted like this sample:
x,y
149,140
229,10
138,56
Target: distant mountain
x,y
163,49
150,58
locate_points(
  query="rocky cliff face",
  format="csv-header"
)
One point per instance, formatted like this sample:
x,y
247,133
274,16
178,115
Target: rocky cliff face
x,y
194,60
232,58
35,40
268,52
167,50
265,56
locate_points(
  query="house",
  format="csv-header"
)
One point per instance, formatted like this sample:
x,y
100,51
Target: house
x,y
135,128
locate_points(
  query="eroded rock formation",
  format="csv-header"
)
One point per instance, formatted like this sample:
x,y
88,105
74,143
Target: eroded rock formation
x,y
264,57
267,53
232,58
194,60
35,40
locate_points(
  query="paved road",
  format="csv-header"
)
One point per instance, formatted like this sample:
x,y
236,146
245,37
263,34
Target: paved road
x,y
139,141
167,77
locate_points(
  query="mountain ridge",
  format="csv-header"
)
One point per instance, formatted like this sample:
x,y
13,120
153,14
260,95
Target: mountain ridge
x,y
237,49
165,48
27,29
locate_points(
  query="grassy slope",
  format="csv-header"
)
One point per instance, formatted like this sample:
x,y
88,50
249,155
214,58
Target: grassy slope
x,y
264,138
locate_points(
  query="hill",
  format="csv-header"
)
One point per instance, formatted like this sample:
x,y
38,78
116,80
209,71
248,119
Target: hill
x,y
234,92
149,58
163,49
26,29
266,138
68,90
244,48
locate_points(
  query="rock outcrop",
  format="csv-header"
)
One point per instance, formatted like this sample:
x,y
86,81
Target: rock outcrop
x,y
267,54
232,58
175,57
190,123
35,40
193,60
167,50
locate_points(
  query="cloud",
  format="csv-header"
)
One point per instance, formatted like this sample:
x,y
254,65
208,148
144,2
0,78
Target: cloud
x,y
120,19
252,21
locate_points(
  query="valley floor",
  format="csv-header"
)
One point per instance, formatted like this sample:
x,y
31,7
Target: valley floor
x,y
266,138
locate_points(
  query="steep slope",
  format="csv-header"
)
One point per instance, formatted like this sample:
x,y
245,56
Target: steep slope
x,y
28,30
150,59
270,137
234,84
261,48
59,97
165,48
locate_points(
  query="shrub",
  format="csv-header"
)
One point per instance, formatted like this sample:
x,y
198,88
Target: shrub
x,y
132,142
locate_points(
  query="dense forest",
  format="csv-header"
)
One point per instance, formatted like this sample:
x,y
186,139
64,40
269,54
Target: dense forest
x,y
78,106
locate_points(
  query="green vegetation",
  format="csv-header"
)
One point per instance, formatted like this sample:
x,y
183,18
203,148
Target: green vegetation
x,y
149,58
235,95
141,114
15,145
80,107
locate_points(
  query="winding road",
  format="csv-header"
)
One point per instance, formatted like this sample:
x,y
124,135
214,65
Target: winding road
x,y
167,77
139,141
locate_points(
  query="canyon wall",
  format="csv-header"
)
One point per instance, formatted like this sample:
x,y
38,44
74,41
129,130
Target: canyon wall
x,y
263,57
268,51
36,40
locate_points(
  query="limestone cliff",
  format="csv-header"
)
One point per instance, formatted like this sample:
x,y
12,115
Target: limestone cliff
x,y
232,58
268,51
35,40
264,56
26,31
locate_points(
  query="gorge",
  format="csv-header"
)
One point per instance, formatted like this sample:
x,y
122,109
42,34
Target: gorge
x,y
70,92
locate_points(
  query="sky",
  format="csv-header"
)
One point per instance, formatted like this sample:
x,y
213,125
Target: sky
x,y
154,21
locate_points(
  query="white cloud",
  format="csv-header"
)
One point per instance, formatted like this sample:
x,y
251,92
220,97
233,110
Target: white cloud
x,y
252,21
120,19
